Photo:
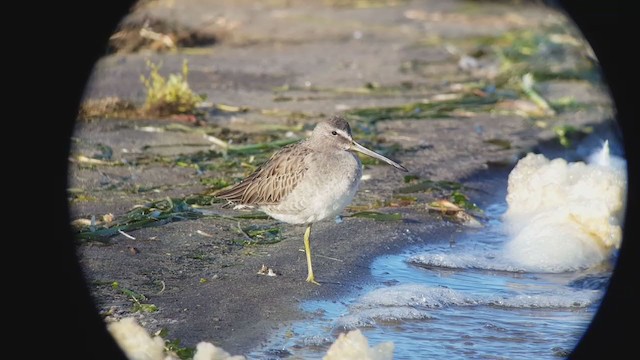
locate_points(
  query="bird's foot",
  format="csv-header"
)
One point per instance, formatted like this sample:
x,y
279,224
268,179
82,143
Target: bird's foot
x,y
312,280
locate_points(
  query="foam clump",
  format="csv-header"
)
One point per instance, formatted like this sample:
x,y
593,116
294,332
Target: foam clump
x,y
134,340
137,344
208,351
354,346
565,216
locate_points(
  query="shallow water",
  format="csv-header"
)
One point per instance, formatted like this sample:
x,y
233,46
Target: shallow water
x,y
455,300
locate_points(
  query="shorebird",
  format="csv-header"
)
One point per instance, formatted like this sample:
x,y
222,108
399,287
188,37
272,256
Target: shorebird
x,y
307,181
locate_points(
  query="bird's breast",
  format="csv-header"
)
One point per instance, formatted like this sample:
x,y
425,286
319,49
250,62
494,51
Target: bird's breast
x,y
328,186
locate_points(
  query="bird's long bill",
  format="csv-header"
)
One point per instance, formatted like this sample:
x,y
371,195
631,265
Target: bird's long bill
x,y
357,147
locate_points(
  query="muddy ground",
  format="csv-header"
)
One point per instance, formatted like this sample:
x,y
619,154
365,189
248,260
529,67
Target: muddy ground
x,y
287,65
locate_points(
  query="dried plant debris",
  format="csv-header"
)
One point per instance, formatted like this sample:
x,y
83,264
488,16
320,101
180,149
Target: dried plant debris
x,y
550,52
108,108
83,223
267,271
453,212
379,216
159,35
504,68
166,97
451,202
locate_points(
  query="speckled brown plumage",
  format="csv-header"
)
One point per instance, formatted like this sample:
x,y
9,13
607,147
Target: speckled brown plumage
x,y
273,180
308,181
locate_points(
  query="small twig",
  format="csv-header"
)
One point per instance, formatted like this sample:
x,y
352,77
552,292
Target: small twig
x,y
216,141
163,287
126,235
147,33
322,256
327,257
203,233
244,232
527,87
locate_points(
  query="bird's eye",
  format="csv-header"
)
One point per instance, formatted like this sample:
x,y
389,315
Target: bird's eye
x,y
334,132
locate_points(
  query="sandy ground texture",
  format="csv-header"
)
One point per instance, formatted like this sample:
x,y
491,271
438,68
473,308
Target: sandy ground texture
x,y
287,65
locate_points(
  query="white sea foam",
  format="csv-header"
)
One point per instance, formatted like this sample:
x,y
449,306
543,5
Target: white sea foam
x,y
466,259
564,216
561,216
560,299
414,295
399,303
413,301
370,317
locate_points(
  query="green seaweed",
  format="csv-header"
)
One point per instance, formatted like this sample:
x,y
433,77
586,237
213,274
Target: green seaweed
x,y
568,104
527,87
260,235
568,134
584,72
424,110
214,183
410,178
401,200
463,201
105,152
144,308
76,197
369,89
257,215
130,293
152,214
502,143
374,215
430,185
199,255
539,53
183,352
260,148
136,298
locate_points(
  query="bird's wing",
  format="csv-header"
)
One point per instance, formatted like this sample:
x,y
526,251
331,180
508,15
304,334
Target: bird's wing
x,y
273,180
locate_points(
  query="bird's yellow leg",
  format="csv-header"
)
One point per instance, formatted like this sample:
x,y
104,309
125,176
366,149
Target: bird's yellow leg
x,y
307,250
